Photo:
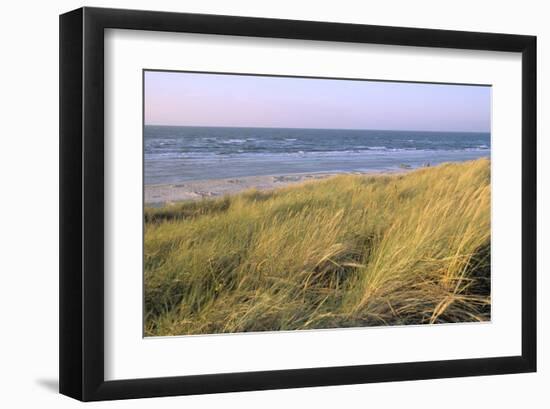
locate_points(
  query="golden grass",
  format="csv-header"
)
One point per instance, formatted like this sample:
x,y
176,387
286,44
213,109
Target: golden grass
x,y
342,252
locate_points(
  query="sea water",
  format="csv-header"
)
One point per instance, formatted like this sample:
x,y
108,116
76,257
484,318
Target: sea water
x,y
175,154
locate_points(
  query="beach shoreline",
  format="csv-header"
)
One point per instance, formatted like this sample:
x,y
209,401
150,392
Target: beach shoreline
x,y
163,194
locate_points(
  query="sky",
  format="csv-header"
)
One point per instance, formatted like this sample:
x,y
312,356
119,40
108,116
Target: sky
x,y
197,99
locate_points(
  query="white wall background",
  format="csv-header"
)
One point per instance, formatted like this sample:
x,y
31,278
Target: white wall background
x,y
29,205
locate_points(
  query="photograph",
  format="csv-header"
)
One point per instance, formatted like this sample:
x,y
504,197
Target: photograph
x,y
279,203
251,202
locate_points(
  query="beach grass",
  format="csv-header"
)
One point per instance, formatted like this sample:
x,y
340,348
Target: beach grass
x,y
347,251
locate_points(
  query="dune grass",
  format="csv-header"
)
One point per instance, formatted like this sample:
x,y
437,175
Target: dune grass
x,y
346,251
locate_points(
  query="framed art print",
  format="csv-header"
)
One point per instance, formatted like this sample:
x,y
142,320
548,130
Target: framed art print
x,y
254,204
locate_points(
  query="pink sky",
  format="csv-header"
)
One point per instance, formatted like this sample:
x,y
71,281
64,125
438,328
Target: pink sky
x,y
197,99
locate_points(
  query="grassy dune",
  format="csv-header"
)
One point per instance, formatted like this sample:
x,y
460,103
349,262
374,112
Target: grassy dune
x,y
346,251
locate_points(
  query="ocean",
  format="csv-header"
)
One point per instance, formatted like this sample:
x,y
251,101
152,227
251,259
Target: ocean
x,y
175,154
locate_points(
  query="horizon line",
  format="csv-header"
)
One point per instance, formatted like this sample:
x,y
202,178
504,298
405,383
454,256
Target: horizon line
x,y
307,128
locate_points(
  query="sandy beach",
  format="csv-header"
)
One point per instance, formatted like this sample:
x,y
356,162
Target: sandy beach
x,y
159,195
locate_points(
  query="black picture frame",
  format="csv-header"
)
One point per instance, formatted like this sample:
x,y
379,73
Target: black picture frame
x,y
82,199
